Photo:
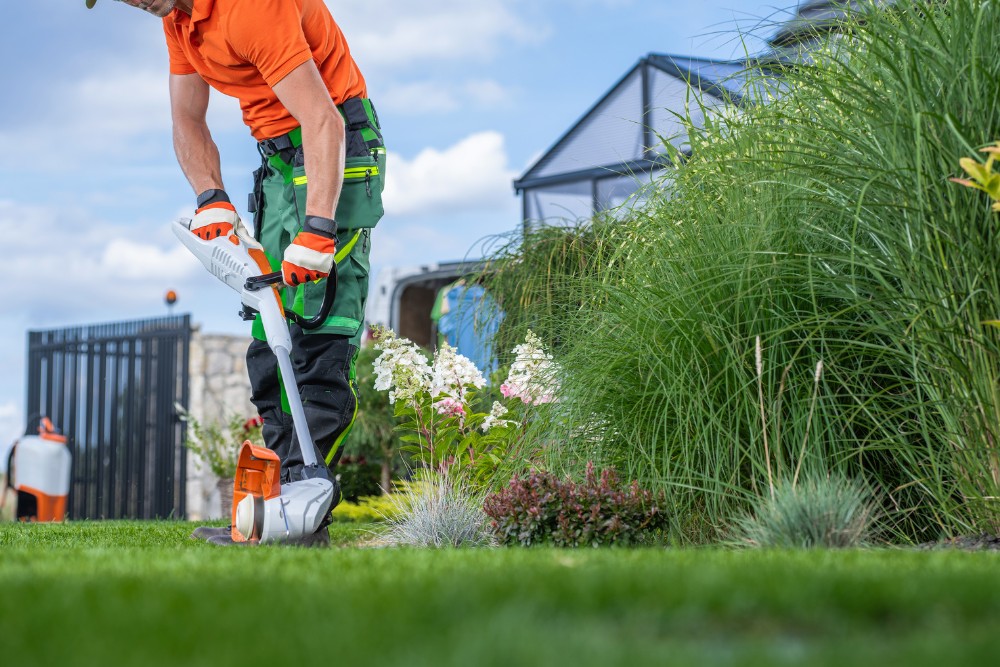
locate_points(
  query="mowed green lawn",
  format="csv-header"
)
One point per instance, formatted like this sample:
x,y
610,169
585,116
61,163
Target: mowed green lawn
x,y
125,593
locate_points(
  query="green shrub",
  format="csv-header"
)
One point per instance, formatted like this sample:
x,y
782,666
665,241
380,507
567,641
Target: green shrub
x,y
830,511
359,478
367,509
540,508
372,436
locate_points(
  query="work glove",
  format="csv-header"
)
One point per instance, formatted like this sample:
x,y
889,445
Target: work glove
x,y
310,255
216,217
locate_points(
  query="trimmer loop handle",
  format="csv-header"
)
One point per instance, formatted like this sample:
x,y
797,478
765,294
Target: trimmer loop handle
x,y
268,279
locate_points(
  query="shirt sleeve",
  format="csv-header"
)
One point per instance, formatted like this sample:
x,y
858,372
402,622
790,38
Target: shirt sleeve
x,y
179,63
277,50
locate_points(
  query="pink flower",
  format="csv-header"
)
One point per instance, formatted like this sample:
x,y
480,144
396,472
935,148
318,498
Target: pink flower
x,y
450,407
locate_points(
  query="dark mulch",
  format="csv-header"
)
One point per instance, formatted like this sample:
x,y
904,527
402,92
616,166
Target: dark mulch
x,y
982,542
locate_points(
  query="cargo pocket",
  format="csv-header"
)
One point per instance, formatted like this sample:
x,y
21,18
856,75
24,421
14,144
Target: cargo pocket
x,y
360,205
348,312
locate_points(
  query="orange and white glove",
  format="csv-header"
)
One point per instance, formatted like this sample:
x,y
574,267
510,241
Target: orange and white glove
x,y
217,217
309,257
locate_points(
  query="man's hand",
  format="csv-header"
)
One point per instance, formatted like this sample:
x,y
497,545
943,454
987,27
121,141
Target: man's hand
x,y
214,220
216,217
310,256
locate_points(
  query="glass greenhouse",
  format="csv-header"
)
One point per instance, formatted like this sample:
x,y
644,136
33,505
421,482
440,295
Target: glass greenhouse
x,y
620,144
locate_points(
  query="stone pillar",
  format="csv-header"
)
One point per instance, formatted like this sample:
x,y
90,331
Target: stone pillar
x,y
219,390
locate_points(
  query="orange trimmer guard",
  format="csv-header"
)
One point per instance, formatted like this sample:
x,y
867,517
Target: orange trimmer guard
x,y
258,472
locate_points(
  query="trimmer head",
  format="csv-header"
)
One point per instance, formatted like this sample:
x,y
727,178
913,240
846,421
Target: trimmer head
x,y
264,510
258,471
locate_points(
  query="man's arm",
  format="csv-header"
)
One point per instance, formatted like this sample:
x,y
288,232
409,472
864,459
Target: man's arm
x,y
196,151
305,96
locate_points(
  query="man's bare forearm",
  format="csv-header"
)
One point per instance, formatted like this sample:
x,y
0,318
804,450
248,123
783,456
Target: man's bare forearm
x,y
197,155
196,151
305,96
324,142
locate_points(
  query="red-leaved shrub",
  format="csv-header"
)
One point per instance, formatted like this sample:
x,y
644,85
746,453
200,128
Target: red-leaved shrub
x,y
543,509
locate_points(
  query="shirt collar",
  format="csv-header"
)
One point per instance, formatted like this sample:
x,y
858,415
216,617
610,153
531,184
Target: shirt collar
x,y
201,10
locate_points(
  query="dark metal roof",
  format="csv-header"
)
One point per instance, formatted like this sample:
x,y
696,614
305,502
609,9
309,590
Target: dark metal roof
x,y
713,77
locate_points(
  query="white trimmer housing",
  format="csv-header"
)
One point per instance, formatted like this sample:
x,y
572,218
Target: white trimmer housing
x,y
263,510
298,511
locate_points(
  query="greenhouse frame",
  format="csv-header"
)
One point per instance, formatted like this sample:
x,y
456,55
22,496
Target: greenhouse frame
x,y
621,143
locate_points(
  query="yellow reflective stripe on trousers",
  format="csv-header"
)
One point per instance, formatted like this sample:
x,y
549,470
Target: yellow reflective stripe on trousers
x,y
361,172
347,429
353,172
348,247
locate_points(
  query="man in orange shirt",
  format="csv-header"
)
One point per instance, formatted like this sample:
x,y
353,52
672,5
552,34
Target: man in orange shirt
x,y
305,102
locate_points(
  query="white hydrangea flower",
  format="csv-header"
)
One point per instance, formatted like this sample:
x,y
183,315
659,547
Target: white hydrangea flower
x,y
493,419
533,375
401,368
453,372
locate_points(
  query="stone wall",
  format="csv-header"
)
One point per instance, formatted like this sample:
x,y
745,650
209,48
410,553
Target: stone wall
x,y
219,390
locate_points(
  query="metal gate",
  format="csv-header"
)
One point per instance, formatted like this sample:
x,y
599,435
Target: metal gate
x,y
111,389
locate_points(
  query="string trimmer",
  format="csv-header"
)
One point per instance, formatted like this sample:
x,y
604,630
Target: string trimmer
x,y
264,510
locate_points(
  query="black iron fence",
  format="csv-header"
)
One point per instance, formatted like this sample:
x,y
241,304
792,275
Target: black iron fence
x,y
111,389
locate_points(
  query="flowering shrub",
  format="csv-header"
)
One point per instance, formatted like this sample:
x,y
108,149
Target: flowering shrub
x,y
437,401
532,377
219,445
542,509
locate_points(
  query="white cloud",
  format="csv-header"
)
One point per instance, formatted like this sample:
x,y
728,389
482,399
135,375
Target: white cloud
x,y
71,265
423,97
131,260
394,244
117,117
409,33
419,97
487,93
472,175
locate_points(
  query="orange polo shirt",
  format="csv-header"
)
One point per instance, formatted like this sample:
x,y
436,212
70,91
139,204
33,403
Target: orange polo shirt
x,y
243,47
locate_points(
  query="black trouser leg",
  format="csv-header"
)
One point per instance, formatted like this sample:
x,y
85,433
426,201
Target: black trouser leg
x,y
322,365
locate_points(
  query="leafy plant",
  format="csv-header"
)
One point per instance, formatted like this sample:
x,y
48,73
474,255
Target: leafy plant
x,y
373,435
442,421
375,508
821,511
540,508
358,478
218,445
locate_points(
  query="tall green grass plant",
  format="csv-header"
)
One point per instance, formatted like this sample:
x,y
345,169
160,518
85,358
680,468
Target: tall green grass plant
x,y
821,223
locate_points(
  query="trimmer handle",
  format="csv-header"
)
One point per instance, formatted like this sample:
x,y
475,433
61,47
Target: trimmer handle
x,y
268,279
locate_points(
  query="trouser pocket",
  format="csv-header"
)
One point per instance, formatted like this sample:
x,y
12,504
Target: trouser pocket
x,y
348,312
360,205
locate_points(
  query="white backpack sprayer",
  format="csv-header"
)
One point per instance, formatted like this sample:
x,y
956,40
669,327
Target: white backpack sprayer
x,y
42,465
264,510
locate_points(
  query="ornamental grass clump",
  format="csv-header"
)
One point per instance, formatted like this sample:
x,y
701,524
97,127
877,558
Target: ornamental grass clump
x,y
437,511
821,221
540,508
830,512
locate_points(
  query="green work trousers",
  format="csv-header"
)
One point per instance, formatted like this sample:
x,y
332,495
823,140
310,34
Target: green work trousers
x,y
324,357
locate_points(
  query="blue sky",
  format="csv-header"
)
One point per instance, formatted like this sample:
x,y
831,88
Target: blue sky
x,y
469,94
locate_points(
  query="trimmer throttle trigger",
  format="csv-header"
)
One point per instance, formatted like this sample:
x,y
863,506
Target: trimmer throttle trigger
x,y
255,283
